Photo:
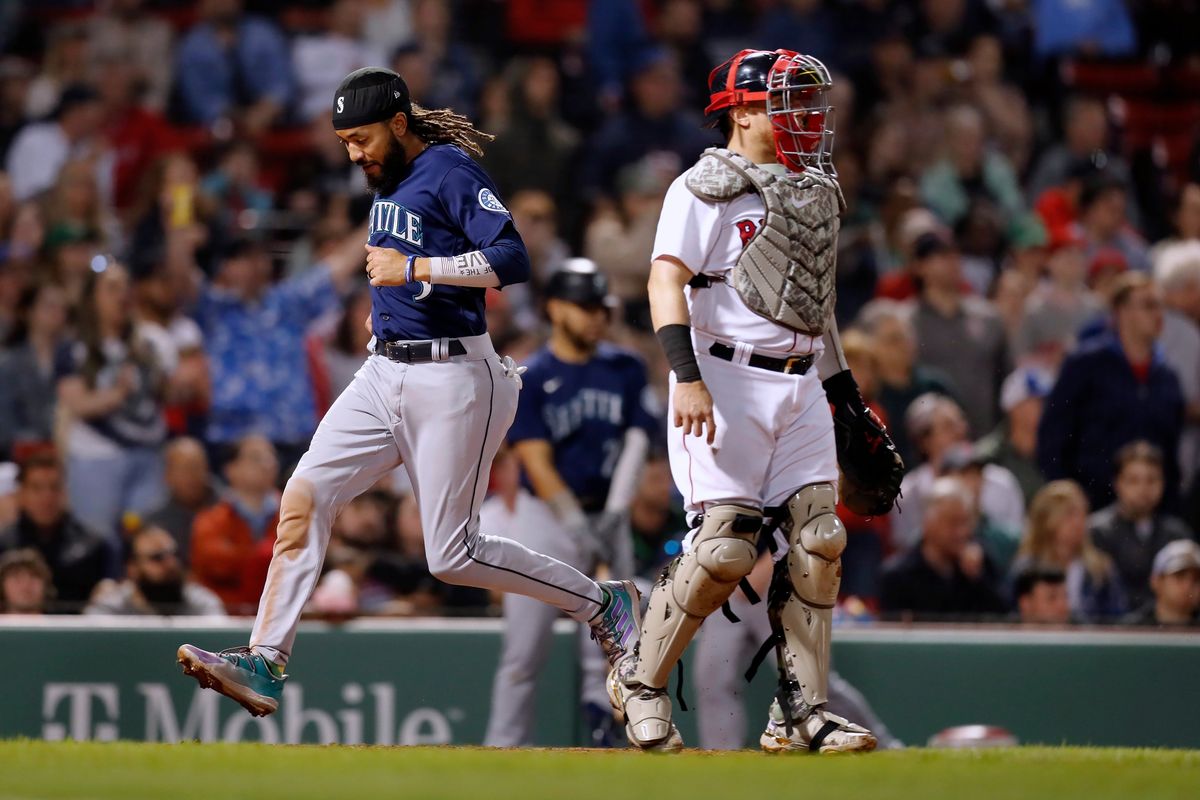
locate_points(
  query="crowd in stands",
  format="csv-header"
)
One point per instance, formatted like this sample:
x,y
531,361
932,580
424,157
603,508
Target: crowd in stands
x,y
181,292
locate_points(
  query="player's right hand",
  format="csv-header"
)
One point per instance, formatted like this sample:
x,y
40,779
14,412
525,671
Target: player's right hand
x,y
694,410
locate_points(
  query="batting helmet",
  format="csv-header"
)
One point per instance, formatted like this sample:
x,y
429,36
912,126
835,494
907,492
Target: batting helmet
x,y
579,282
795,90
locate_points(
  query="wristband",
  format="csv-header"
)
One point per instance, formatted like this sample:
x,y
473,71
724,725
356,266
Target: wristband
x,y
676,342
408,269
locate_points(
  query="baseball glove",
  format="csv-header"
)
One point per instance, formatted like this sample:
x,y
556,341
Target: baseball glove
x,y
871,467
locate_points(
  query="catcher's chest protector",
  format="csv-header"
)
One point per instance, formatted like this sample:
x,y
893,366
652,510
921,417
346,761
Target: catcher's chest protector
x,y
787,270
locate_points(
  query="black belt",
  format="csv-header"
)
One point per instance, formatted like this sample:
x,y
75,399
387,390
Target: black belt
x,y
415,352
792,365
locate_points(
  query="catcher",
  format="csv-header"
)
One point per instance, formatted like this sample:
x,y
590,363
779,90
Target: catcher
x,y
742,296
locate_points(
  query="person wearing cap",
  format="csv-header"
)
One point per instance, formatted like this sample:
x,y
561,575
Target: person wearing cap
x,y
1013,443
1111,391
41,149
1059,306
581,435
1134,528
1175,582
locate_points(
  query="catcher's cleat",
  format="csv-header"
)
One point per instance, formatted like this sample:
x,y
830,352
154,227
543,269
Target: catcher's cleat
x,y
616,626
646,711
819,732
238,673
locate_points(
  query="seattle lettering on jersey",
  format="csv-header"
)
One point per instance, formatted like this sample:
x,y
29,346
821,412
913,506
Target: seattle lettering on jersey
x,y
588,404
397,221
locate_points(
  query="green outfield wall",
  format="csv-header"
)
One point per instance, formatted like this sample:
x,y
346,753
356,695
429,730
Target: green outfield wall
x,y
429,682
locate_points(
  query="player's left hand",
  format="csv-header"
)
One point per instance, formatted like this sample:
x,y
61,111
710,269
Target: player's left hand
x,y
871,468
385,266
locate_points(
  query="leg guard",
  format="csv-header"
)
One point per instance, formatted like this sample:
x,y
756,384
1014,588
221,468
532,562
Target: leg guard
x,y
817,539
693,586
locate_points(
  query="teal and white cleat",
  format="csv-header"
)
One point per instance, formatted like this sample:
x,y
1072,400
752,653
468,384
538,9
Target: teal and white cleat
x,y
617,627
238,673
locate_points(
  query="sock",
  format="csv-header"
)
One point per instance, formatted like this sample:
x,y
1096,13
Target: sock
x,y
275,659
606,598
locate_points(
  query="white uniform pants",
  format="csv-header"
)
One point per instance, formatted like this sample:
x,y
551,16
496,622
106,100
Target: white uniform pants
x,y
445,421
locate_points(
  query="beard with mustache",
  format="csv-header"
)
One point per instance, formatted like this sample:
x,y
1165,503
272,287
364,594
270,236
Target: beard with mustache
x,y
391,169
165,597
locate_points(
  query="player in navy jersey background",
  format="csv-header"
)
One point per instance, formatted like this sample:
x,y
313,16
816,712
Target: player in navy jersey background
x,y
434,396
581,434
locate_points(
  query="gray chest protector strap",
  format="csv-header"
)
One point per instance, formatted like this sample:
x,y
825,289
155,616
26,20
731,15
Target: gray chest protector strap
x,y
786,272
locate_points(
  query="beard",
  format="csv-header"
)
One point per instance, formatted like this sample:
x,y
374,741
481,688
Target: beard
x,y
165,596
391,170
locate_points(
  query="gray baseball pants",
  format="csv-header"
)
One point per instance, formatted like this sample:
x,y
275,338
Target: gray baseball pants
x,y
444,420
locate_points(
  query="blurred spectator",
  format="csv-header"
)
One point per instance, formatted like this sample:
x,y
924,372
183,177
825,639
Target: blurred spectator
x,y
78,559
76,210
652,125
969,171
231,63
1058,536
9,504
999,534
1177,273
453,76
1175,581
235,186
656,521
189,491
178,347
616,40
1133,529
27,380
65,63
621,240
1096,27
232,540
936,426
254,333
1013,444
1104,222
963,337
320,61
386,23
124,29
806,26
946,574
41,149
535,216
1004,105
680,27
1058,307
1110,392
154,583
536,149
345,348
15,75
25,586
1185,220
901,378
137,135
869,538
1041,595
862,242
1082,151
111,384
906,283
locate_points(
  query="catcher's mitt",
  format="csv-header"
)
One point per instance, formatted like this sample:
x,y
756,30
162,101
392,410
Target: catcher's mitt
x,y
871,467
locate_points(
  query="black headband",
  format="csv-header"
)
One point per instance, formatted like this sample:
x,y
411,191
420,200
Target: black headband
x,y
353,107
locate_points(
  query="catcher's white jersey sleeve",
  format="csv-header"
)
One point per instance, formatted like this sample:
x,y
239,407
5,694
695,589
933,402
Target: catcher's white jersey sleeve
x,y
708,239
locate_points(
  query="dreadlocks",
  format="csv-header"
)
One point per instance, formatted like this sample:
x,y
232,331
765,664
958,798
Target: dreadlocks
x,y
441,126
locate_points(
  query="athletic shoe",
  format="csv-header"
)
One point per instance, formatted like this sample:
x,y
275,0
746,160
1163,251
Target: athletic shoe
x,y
616,628
819,732
238,673
646,712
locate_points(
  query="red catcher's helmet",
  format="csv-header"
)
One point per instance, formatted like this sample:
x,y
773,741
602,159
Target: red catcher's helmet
x,y
795,89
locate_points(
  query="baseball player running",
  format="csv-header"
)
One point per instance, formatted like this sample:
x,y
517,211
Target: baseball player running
x,y
434,395
742,295
581,434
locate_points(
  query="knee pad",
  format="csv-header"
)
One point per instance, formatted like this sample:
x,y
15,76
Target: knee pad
x,y
723,552
817,539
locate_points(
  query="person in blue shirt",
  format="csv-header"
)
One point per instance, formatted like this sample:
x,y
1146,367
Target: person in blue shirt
x,y
434,396
581,434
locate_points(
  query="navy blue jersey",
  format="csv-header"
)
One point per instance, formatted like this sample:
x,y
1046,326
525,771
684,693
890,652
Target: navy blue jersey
x,y
583,410
446,205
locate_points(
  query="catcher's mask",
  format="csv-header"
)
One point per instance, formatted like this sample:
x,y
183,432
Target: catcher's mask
x,y
795,89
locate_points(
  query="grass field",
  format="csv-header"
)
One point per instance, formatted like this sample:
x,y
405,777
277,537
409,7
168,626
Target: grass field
x,y
128,771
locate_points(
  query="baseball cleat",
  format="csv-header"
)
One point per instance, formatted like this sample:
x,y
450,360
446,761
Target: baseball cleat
x,y
819,732
238,673
645,711
616,627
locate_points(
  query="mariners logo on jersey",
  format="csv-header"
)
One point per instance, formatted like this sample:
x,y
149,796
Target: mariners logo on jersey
x,y
488,199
